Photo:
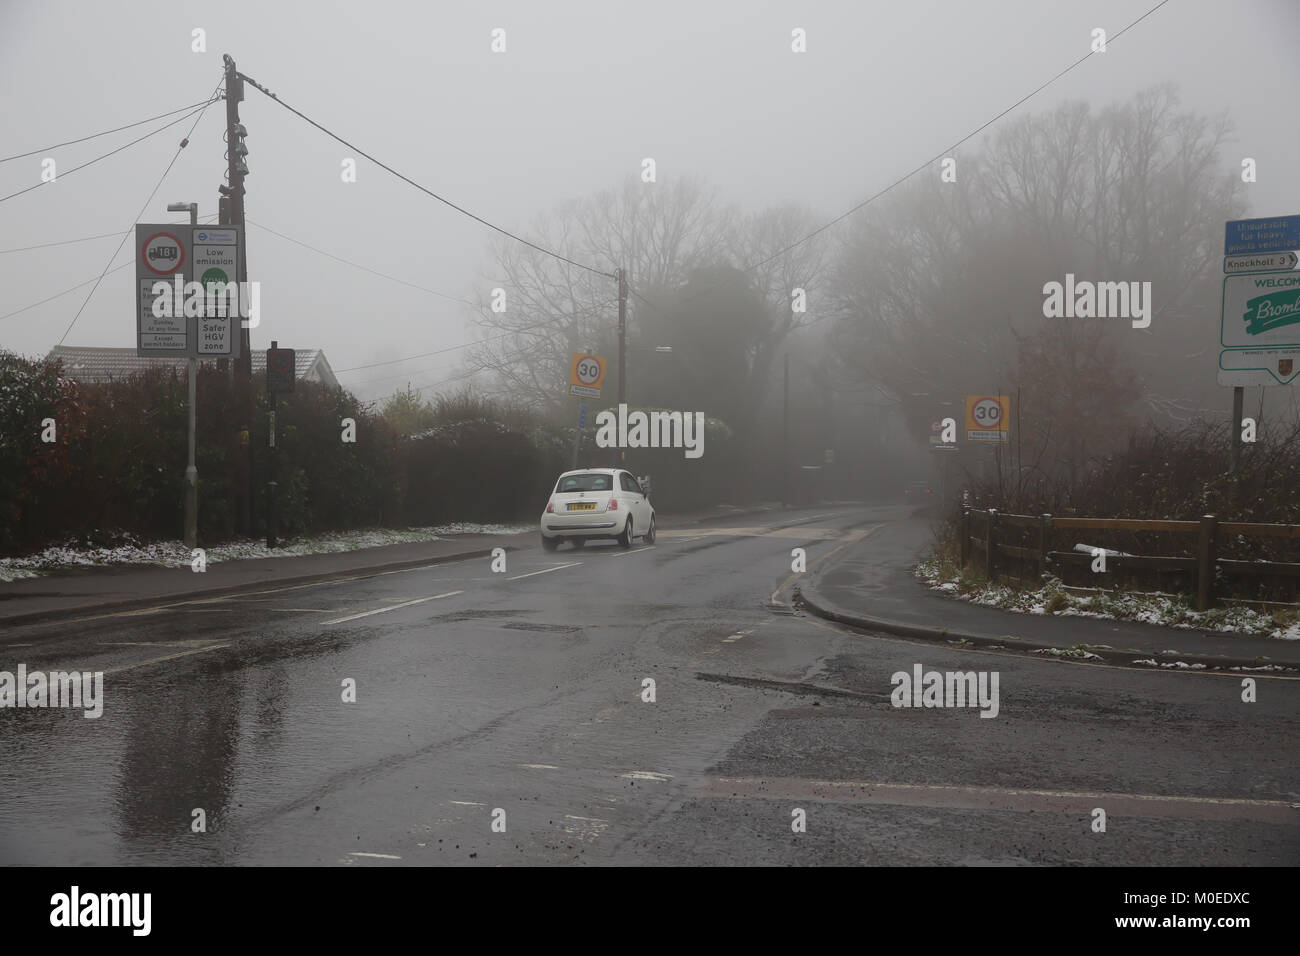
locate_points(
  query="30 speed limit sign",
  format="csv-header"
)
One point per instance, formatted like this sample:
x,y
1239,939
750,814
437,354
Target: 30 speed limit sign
x,y
586,374
987,417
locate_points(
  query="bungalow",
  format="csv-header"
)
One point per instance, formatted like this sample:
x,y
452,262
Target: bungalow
x,y
94,365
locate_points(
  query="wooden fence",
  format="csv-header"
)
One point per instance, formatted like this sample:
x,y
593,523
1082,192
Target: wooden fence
x,y
983,533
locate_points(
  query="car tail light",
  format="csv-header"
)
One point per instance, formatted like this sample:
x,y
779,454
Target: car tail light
x,y
550,507
613,504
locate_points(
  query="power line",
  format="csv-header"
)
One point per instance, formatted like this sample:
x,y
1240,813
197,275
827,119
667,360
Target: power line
x,y
175,156
429,192
59,295
46,182
451,348
104,133
61,242
358,265
454,378
940,155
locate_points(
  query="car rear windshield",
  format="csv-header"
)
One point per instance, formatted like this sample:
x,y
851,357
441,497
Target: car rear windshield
x,y
585,483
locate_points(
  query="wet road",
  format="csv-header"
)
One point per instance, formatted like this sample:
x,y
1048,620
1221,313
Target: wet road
x,y
489,702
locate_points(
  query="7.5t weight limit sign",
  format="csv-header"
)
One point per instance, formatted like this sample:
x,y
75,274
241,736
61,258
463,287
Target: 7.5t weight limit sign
x,y
987,417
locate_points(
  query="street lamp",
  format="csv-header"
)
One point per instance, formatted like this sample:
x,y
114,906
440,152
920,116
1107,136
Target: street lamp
x,y
191,472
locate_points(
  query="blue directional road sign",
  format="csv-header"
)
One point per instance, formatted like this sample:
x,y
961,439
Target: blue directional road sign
x,y
1270,234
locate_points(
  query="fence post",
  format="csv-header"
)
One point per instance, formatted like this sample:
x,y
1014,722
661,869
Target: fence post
x,y
990,540
965,537
1044,524
1206,555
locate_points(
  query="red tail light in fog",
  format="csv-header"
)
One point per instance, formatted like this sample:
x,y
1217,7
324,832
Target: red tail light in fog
x,y
550,507
613,504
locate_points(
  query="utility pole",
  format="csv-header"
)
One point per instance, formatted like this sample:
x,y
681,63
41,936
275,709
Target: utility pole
x,y
270,488
622,349
191,471
236,169
785,437
1238,403
577,432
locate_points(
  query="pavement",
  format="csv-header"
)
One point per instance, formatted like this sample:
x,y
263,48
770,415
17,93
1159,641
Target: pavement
x,y
657,705
76,592
869,585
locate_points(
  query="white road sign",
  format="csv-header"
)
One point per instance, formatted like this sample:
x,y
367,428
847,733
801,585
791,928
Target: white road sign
x,y
1265,262
166,252
1259,329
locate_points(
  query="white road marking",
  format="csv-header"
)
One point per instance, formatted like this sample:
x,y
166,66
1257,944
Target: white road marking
x,y
393,607
647,775
857,535
737,636
193,643
586,829
159,660
558,567
378,856
467,803
623,554
1006,798
249,595
539,766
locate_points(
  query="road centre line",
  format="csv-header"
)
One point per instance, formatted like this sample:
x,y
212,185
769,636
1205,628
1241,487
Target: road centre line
x,y
971,797
159,660
392,607
558,567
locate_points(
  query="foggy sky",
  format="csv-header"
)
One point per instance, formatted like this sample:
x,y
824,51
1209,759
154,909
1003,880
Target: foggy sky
x,y
583,93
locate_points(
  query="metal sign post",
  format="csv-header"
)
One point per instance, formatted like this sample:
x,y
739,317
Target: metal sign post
x,y
280,376
1259,312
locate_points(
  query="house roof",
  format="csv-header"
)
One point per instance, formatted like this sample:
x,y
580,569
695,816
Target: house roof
x,y
95,365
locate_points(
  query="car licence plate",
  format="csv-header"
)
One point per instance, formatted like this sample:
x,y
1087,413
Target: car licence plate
x,y
582,506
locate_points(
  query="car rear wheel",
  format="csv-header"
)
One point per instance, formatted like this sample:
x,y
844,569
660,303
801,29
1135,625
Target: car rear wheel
x,y
650,532
550,544
625,539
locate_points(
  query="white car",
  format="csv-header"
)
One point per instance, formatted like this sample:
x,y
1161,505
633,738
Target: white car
x,y
597,503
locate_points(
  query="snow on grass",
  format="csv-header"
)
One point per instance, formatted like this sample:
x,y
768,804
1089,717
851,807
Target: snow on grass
x,y
1164,609
174,554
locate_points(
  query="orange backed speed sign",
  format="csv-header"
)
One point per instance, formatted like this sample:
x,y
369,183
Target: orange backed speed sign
x,y
987,417
586,374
